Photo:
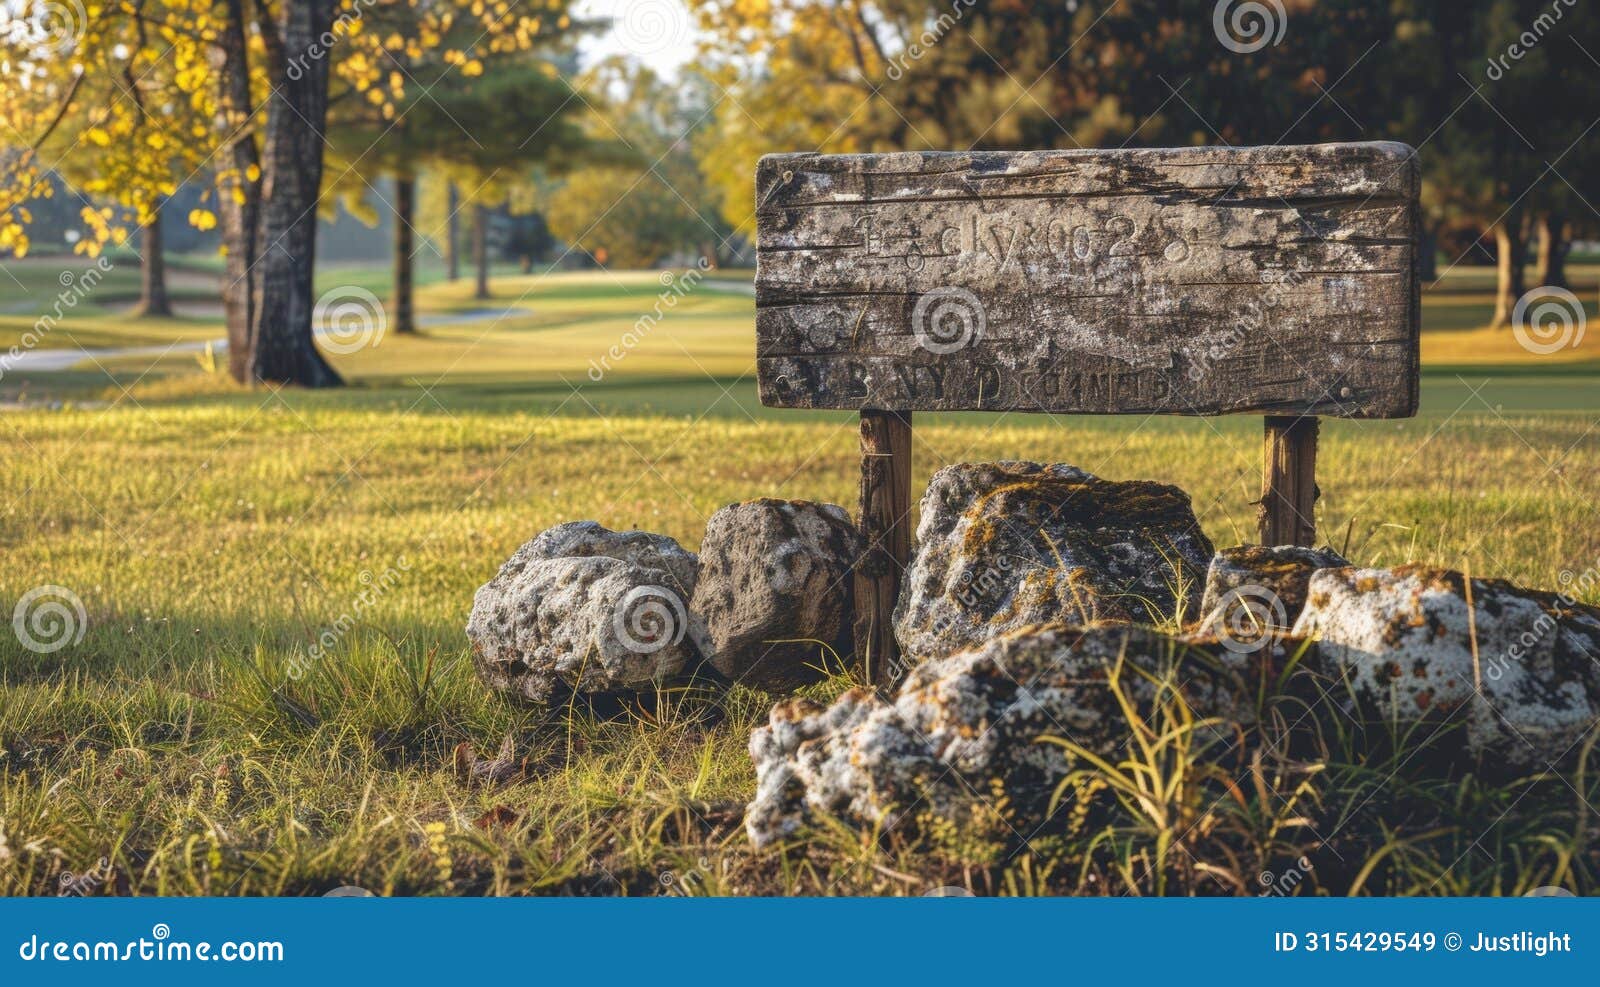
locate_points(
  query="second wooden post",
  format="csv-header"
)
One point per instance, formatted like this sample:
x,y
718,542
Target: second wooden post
x,y
886,528
1287,515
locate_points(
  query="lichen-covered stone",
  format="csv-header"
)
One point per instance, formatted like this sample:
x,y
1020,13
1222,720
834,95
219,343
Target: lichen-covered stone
x,y
775,590
1402,645
1269,580
1002,546
968,727
581,608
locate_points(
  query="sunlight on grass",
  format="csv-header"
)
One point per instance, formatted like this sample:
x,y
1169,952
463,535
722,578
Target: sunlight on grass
x,y
214,534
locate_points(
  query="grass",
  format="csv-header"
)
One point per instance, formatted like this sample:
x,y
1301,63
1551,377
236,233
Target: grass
x,y
213,534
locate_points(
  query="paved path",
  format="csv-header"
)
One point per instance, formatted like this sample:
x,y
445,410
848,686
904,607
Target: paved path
x,y
56,360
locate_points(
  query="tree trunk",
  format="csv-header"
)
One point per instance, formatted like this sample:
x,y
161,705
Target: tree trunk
x,y
452,258
1511,252
1552,270
238,186
480,249
283,350
153,299
1428,254
405,193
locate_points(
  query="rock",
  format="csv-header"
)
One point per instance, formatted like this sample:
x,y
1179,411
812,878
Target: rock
x,y
1003,546
590,539
585,609
1401,643
775,588
1257,590
967,727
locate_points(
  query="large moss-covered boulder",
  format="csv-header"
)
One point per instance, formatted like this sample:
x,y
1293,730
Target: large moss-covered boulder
x,y
581,608
965,731
1001,546
775,590
1520,668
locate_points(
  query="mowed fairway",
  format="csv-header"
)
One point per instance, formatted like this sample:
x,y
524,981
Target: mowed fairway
x,y
215,534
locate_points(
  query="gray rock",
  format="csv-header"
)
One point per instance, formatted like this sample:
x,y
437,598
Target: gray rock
x,y
1003,546
1401,643
590,539
967,728
584,609
775,590
1254,591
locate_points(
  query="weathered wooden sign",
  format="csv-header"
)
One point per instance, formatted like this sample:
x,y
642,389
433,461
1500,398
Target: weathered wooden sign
x,y
1197,281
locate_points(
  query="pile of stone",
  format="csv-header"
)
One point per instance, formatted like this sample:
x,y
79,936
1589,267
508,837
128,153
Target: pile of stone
x,y
587,610
1040,599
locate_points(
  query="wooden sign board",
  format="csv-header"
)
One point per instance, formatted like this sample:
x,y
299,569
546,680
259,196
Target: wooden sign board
x,y
1193,281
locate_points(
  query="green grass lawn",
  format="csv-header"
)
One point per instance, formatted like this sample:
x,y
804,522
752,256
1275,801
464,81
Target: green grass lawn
x,y
212,533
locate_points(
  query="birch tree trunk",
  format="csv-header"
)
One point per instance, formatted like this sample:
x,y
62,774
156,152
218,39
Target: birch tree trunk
x,y
1510,253
1552,261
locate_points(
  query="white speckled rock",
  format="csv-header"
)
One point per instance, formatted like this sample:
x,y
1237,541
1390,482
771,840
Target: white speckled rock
x,y
585,609
970,723
775,588
1002,546
1402,642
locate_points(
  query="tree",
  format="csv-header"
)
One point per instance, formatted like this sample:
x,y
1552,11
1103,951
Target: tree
x,y
645,196
153,300
515,114
269,155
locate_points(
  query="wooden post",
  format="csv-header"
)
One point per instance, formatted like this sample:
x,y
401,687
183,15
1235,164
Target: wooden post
x,y
1289,481
886,528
